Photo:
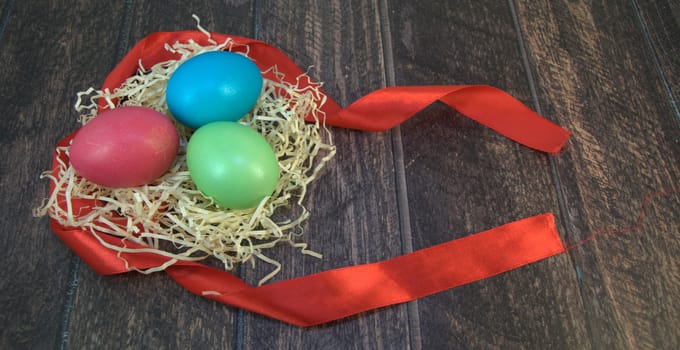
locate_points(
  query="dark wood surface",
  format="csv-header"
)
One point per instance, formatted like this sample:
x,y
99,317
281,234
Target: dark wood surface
x,y
607,71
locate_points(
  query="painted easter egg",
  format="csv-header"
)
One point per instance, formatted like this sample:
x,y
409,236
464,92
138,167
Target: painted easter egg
x,y
233,164
125,147
213,86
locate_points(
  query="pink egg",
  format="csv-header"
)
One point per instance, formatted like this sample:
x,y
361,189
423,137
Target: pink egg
x,y
125,147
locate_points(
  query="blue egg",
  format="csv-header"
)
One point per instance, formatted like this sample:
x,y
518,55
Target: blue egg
x,y
213,86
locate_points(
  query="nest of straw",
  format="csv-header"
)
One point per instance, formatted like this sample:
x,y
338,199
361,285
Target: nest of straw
x,y
170,216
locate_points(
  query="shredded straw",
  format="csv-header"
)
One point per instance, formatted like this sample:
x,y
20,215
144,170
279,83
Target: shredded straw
x,y
169,216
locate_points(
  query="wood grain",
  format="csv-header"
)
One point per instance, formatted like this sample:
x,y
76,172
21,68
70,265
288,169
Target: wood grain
x,y
660,23
463,178
153,312
354,215
607,71
45,46
596,76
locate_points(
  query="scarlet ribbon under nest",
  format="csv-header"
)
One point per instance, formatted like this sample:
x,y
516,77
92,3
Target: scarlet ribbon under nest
x,y
334,294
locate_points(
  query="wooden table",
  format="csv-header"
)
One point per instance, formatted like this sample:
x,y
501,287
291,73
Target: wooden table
x,y
608,71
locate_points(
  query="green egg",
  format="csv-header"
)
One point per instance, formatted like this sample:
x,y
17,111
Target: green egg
x,y
233,164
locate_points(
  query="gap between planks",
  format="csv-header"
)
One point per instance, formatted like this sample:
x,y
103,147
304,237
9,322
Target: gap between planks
x,y
655,59
76,262
412,312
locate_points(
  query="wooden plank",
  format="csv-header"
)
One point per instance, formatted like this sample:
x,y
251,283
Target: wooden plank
x,y
463,178
229,17
139,311
661,26
353,203
594,73
44,49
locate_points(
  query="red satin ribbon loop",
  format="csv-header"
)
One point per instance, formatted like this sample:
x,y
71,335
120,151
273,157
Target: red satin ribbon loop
x,y
334,294
386,108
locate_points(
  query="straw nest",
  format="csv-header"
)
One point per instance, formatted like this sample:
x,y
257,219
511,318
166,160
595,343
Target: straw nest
x,y
170,216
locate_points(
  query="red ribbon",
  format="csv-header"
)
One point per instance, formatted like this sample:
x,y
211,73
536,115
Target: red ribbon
x,y
338,293
378,111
